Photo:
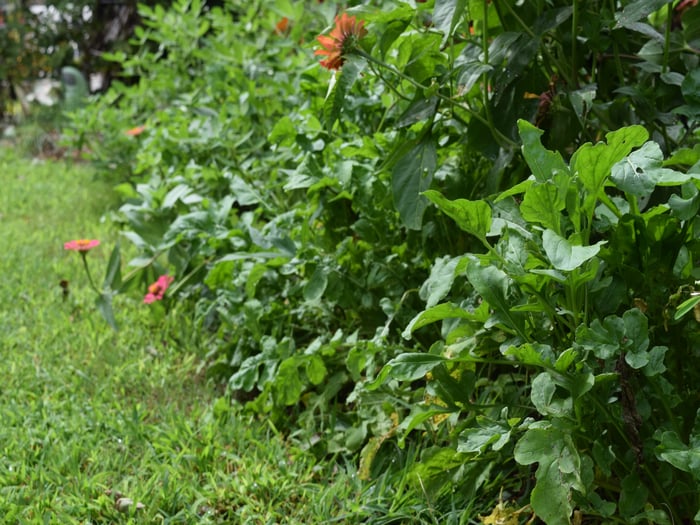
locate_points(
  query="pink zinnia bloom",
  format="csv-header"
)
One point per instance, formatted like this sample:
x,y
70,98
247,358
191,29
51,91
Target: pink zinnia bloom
x,y
135,131
81,245
157,290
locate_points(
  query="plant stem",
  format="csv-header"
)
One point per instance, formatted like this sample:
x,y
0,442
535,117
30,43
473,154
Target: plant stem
x,y
484,76
667,36
574,36
87,271
500,137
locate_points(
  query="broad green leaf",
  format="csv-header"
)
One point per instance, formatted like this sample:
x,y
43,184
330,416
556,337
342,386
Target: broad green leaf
x,y
317,284
316,370
552,18
288,385
283,132
246,377
633,495
407,367
551,497
604,456
257,272
420,414
638,10
541,393
565,256
672,450
471,216
641,171
543,163
478,439
558,470
411,176
493,285
244,193
442,275
533,354
592,164
655,364
179,192
421,108
434,314
446,14
543,204
603,339
636,337
344,81
538,445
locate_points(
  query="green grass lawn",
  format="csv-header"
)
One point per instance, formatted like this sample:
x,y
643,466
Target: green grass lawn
x,y
105,427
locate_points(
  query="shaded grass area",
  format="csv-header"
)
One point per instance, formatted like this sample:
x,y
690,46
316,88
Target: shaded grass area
x,y
104,427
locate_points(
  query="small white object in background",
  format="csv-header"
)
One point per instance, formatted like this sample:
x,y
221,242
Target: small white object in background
x,y
45,91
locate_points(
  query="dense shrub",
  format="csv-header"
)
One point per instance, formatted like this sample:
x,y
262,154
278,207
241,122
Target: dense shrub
x,y
310,222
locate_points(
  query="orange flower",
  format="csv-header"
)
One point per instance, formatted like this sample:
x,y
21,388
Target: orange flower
x,y
341,40
282,26
81,245
135,131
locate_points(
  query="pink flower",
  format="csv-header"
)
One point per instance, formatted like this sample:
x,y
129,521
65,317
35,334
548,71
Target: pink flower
x,y
135,131
157,290
81,245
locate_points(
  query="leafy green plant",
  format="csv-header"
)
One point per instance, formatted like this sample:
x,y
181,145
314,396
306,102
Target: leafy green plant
x,y
560,348
305,214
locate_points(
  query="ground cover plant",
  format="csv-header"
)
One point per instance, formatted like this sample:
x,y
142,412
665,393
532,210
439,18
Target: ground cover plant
x,y
454,240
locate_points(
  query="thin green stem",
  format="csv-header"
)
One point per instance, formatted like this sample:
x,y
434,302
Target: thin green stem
x,y
83,254
667,36
574,37
500,137
563,72
485,76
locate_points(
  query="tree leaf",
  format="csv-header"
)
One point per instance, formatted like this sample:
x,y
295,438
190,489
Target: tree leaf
x,y
565,256
471,216
411,176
